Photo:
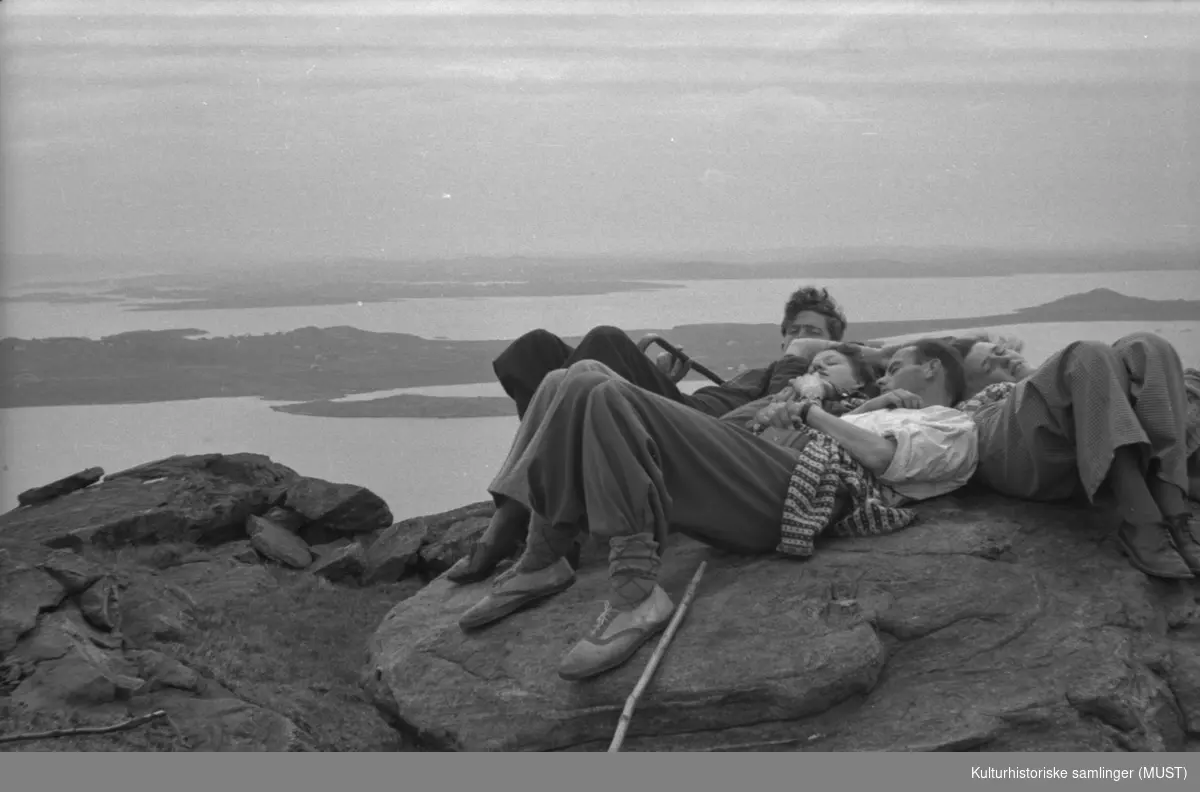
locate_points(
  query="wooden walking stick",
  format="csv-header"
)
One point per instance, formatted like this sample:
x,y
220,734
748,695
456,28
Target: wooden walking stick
x,y
85,730
659,651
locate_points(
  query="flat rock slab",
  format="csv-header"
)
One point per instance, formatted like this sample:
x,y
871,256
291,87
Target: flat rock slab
x,y
203,498
428,545
343,563
72,570
64,486
232,725
278,543
25,592
68,665
394,553
988,623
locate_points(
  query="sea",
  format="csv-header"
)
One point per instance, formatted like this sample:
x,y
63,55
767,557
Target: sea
x,y
426,465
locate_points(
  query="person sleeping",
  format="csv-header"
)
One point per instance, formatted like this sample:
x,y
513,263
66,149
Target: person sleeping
x,y
839,379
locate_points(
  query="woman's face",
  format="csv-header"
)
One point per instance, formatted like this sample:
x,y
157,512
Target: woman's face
x,y
988,364
836,368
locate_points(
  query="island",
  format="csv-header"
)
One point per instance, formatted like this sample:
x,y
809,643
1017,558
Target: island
x,y
313,367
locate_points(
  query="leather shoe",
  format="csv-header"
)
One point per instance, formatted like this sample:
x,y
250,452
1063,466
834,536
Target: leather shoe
x,y
1151,549
618,634
515,590
1185,530
482,560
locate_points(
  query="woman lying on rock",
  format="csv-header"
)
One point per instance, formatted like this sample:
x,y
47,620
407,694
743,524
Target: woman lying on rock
x,y
809,313
596,451
839,378
1093,414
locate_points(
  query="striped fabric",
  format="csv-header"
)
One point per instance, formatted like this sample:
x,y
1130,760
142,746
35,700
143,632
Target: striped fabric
x,y
822,468
1191,381
1056,431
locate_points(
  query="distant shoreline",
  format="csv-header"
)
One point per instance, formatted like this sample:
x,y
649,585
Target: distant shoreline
x,y
309,285
312,367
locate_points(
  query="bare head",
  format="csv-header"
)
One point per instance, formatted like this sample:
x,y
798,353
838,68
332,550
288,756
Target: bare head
x,y
845,367
989,359
811,313
929,368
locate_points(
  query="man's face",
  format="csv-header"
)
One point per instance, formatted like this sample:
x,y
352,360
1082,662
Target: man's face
x,y
904,372
807,324
988,364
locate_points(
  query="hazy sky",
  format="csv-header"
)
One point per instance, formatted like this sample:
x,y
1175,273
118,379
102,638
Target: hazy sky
x,y
208,130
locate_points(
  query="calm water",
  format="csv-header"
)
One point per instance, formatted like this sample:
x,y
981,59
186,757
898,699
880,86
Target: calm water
x,y
417,465
425,465
865,300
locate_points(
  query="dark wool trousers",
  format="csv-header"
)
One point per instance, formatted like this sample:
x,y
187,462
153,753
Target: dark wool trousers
x,y
596,451
1056,433
525,363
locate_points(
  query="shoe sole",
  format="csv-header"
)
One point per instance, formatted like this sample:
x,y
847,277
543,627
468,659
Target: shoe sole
x,y
620,659
513,605
1192,559
477,576
468,577
1137,563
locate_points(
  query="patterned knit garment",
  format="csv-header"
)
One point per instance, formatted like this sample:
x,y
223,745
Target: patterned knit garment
x,y
823,467
1191,381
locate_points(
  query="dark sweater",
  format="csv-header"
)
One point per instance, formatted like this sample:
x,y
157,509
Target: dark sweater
x,y
716,400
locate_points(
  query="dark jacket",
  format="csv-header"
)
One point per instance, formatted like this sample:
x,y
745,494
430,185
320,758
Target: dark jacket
x,y
716,400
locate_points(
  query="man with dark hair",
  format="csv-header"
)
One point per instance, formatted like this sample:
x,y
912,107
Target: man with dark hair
x,y
810,313
632,466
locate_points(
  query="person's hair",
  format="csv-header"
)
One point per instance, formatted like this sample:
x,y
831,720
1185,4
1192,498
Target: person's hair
x,y
817,300
965,343
864,371
952,363
1013,343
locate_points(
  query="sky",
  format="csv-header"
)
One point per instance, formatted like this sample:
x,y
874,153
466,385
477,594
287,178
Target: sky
x,y
204,132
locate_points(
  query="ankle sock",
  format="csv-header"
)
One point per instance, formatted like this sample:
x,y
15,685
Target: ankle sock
x,y
545,544
633,564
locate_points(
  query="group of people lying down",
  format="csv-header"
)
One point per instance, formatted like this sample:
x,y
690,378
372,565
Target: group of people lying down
x,y
834,438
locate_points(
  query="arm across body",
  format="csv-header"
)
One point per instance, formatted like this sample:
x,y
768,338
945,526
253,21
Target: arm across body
x,y
810,347
752,390
874,452
937,444
747,412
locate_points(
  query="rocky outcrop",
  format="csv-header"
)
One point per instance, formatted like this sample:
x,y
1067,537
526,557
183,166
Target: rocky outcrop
x,y
257,509
205,499
64,486
341,563
426,546
102,587
332,509
278,543
25,592
989,624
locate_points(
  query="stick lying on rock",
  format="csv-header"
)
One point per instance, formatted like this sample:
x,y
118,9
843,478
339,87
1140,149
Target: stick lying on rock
x,y
659,651
84,730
